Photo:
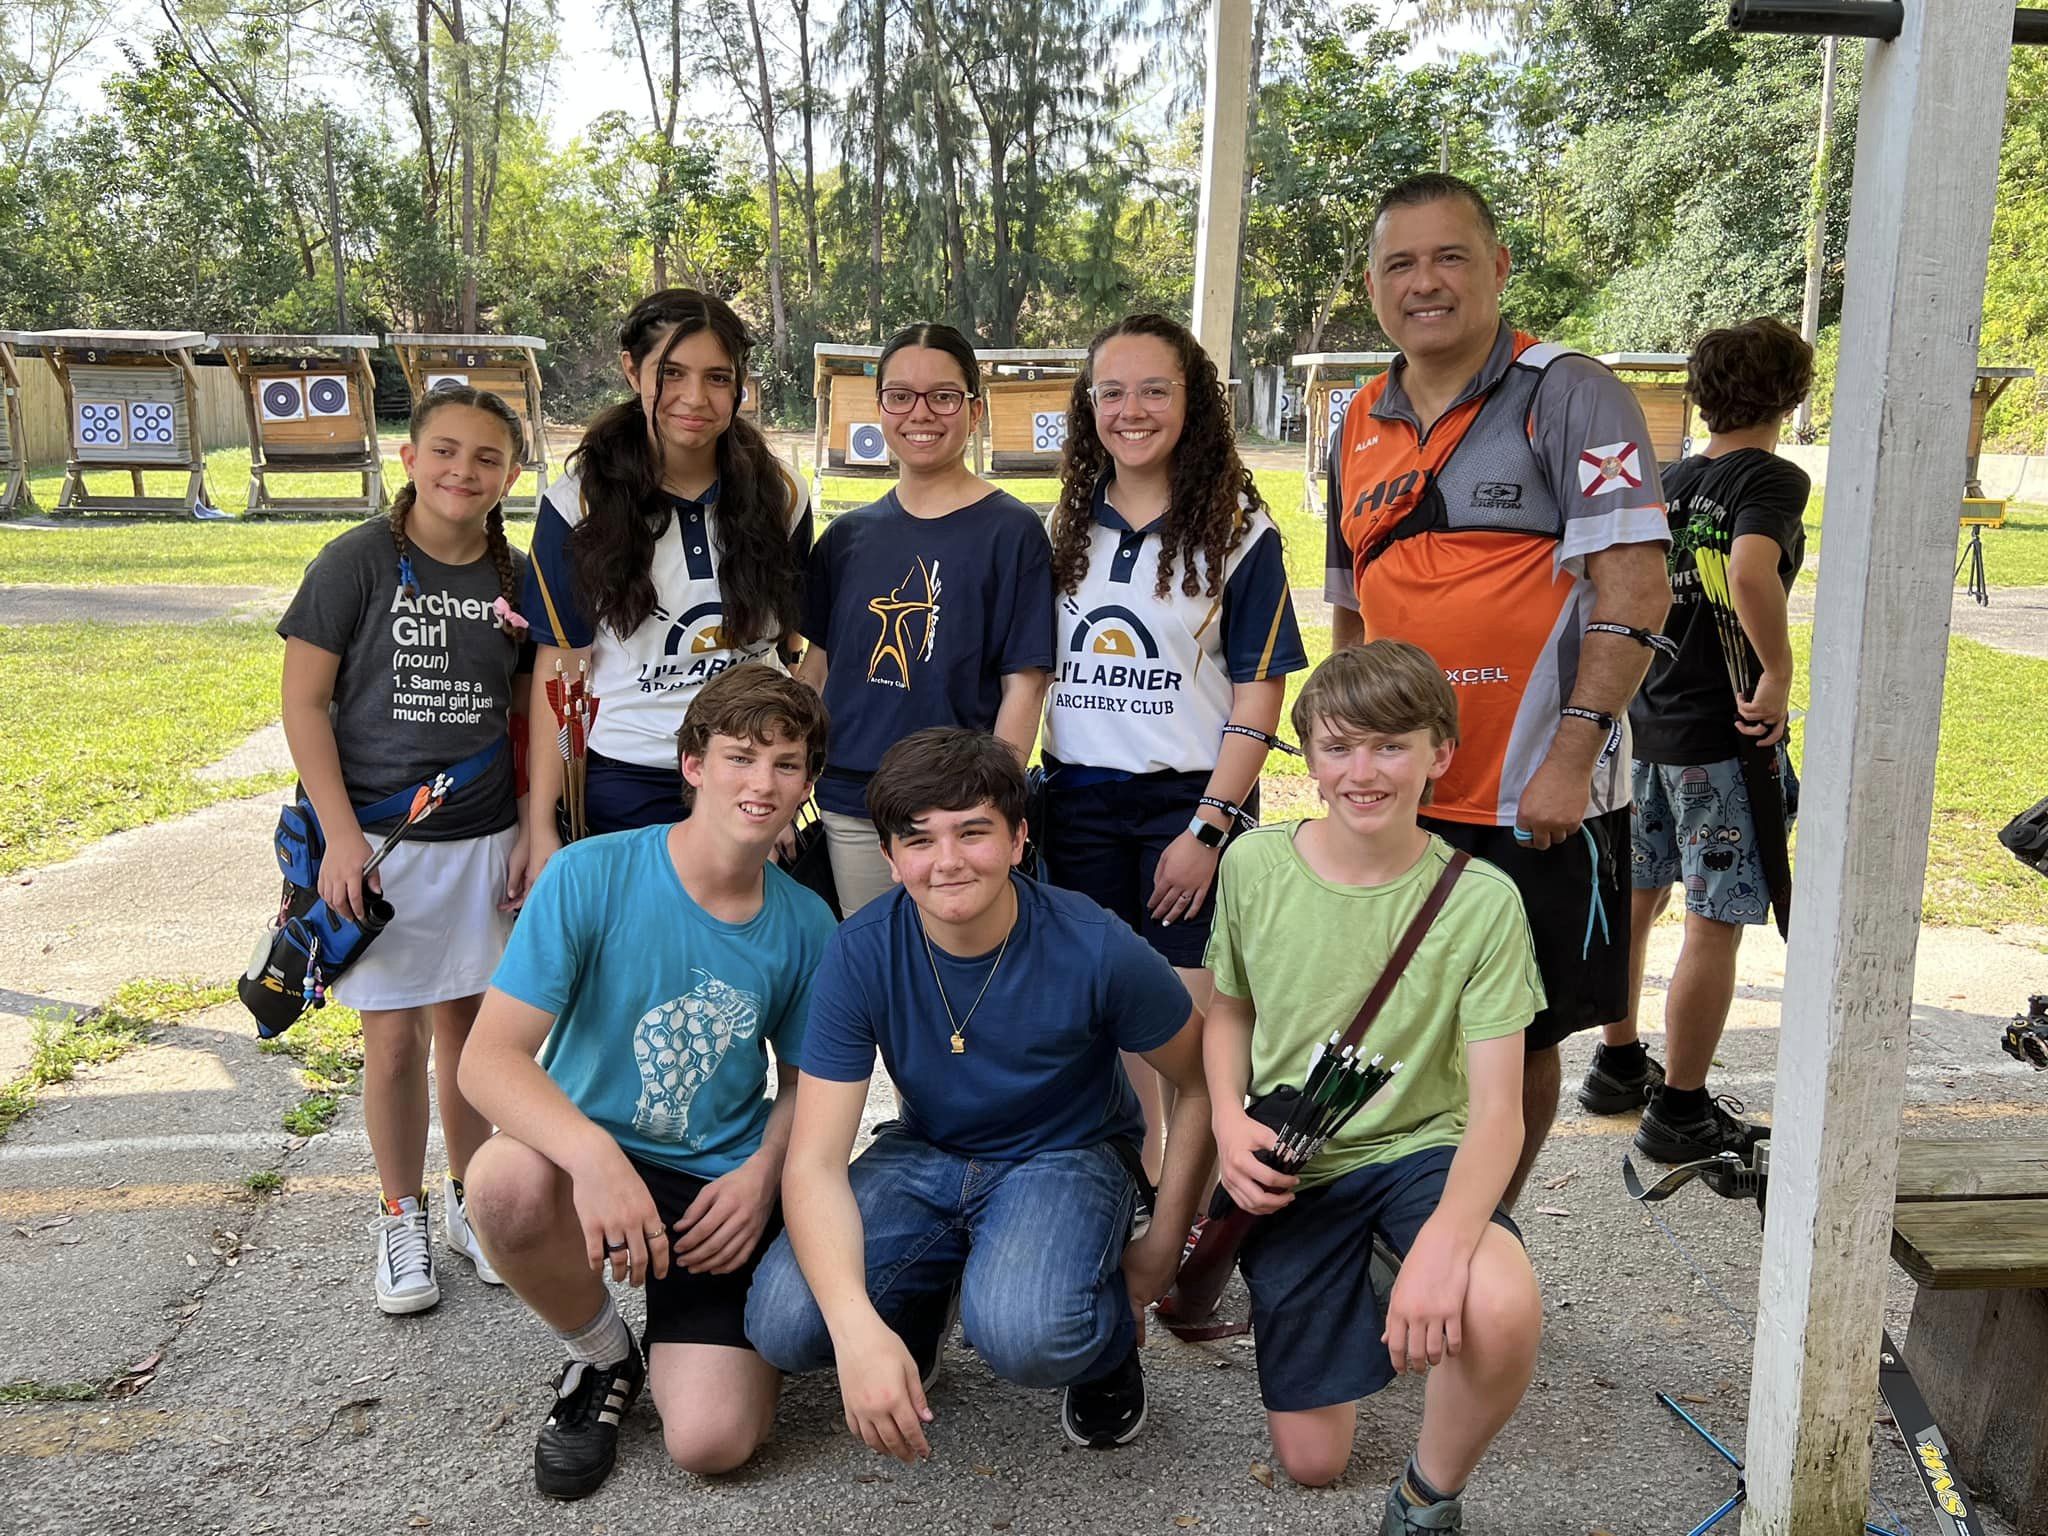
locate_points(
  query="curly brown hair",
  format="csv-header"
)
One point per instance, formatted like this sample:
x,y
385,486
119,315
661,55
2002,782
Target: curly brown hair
x,y
1745,375
1212,499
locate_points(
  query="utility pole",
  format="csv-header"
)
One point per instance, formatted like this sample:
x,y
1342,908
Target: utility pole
x,y
1817,217
334,227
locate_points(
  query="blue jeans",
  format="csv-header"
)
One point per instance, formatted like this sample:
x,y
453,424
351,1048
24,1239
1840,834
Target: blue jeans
x,y
1035,1245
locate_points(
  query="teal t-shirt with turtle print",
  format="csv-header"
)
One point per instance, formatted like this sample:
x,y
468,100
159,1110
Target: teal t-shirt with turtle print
x,y
1306,951
664,1013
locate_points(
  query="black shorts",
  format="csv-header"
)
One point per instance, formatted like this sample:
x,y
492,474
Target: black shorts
x,y
1577,899
1316,1323
683,1308
1105,841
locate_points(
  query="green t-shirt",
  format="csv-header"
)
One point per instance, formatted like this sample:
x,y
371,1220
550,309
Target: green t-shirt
x,y
1306,951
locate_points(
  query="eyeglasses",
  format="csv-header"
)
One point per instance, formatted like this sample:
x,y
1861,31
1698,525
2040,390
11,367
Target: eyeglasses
x,y
1154,395
898,399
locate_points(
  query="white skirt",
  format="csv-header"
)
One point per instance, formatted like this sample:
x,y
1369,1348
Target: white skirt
x,y
448,934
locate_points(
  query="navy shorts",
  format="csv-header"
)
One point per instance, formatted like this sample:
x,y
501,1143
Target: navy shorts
x,y
620,797
1575,895
1105,841
1315,1320
683,1308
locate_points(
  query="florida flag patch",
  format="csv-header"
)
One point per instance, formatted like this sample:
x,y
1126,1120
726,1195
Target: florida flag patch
x,y
1608,469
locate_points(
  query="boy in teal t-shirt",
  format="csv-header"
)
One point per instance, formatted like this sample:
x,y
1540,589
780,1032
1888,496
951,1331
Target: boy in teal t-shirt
x,y
658,966
1307,916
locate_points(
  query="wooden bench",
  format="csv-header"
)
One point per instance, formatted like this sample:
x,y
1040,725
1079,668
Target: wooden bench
x,y
1971,1228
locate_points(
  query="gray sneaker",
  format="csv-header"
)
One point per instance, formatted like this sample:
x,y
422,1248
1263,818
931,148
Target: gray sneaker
x,y
1405,1519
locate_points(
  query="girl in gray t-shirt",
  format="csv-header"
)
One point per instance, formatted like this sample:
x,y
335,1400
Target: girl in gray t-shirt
x,y
403,658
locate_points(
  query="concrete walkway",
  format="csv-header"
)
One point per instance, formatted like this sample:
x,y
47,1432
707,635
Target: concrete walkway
x,y
140,604
269,1395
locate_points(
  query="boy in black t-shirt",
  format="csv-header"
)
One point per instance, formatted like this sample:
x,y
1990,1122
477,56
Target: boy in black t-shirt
x,y
1714,790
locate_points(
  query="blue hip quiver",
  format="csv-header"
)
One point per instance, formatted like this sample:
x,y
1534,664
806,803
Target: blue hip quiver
x,y
311,944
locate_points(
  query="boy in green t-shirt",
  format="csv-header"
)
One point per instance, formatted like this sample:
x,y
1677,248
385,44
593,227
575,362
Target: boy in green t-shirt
x,y
1307,916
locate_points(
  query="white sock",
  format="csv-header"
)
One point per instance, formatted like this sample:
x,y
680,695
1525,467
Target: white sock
x,y
600,1341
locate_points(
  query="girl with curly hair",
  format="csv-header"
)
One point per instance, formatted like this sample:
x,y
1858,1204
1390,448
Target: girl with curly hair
x,y
673,549
1175,635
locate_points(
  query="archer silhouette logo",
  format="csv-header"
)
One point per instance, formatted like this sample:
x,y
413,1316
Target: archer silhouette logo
x,y
909,618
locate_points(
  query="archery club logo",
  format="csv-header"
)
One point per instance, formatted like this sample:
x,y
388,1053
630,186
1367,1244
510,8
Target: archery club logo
x,y
1609,468
1106,666
1113,630
696,649
909,624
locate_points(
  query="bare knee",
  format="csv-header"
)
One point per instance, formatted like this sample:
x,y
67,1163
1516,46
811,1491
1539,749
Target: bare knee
x,y
1503,1321
712,1447
1313,1448
397,1043
513,1194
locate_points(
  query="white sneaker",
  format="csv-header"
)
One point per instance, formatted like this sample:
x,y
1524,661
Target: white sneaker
x,y
405,1260
461,1236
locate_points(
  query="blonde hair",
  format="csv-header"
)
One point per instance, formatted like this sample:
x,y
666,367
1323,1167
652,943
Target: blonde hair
x,y
1386,688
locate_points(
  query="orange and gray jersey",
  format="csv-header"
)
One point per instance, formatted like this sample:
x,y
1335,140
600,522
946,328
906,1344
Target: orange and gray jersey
x,y
1470,540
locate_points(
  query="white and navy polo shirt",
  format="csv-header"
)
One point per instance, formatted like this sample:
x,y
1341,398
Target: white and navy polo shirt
x,y
644,681
1142,683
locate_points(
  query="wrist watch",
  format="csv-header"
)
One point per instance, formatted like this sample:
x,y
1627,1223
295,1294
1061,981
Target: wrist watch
x,y
1207,833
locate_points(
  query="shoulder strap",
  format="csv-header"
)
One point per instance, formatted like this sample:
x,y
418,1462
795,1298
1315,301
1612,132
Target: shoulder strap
x,y
1404,951
460,776
540,579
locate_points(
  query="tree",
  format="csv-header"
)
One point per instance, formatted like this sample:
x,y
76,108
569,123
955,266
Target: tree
x,y
41,41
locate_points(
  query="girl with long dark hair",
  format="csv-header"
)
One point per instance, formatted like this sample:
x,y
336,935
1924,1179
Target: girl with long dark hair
x,y
672,550
1176,633
931,606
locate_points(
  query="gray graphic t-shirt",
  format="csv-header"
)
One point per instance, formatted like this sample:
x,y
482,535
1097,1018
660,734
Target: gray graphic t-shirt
x,y
424,681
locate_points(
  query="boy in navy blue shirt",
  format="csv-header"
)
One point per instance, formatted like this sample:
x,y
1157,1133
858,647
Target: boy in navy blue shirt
x,y
1008,1187
650,972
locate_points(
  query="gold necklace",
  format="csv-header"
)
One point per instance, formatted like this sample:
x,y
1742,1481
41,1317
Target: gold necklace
x,y
959,1026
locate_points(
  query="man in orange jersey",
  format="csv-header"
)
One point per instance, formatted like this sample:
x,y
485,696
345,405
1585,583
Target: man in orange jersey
x,y
1494,499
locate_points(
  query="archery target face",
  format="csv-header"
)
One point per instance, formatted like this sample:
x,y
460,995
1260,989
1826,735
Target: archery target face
x,y
1340,401
445,381
151,424
327,395
281,400
865,444
1049,431
101,424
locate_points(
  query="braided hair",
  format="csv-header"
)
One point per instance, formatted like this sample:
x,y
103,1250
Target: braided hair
x,y
494,522
1213,496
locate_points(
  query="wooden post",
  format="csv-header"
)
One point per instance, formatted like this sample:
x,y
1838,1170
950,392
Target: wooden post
x,y
1226,114
1920,229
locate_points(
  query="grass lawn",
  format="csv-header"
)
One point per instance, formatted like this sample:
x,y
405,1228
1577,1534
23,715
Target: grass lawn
x,y
2014,556
108,724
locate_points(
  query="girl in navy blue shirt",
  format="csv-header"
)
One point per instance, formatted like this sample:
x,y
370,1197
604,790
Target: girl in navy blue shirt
x,y
932,606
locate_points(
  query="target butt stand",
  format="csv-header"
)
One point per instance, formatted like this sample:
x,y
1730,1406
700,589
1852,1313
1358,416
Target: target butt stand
x,y
310,405
14,491
132,402
506,366
1329,380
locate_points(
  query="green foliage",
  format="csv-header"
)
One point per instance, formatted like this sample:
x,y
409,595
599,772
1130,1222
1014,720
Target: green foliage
x,y
2016,283
327,1044
91,750
312,1114
265,1181
62,1041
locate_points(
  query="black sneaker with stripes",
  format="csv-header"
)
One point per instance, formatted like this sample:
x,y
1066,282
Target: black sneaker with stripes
x,y
580,1440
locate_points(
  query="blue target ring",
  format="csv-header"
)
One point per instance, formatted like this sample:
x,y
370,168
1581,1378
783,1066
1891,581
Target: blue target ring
x,y
866,442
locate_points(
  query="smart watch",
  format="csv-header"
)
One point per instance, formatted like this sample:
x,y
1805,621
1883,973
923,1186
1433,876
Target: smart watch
x,y
1207,833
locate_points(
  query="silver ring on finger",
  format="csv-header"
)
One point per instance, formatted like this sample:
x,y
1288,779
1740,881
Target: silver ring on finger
x,y
612,1247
